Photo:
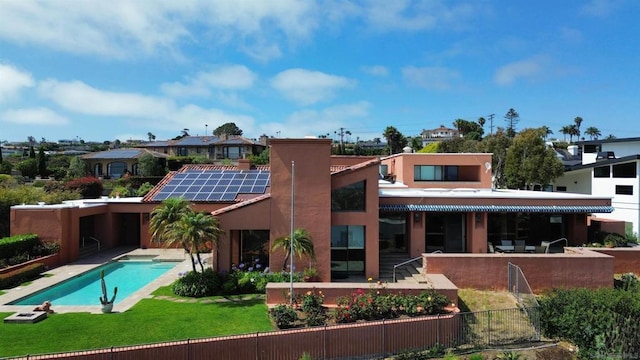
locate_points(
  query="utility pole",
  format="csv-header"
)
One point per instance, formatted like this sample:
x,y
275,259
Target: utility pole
x,y
491,122
342,132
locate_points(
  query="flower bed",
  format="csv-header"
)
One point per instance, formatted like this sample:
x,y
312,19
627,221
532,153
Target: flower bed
x,y
375,303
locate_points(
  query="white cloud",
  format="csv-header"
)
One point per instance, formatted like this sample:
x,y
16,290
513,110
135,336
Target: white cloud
x,y
512,72
376,70
317,122
433,78
599,8
34,116
407,15
233,77
81,98
12,81
123,29
309,87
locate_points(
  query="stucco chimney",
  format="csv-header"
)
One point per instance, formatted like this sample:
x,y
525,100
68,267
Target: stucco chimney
x,y
244,164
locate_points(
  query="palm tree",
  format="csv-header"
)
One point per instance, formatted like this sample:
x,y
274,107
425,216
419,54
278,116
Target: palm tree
x,y
593,132
164,216
481,121
546,131
577,121
195,231
302,245
566,130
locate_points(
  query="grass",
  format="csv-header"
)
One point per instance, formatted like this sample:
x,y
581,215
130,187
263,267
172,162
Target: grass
x,y
479,300
149,321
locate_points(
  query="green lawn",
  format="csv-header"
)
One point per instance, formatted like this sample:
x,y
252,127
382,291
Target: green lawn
x,y
151,320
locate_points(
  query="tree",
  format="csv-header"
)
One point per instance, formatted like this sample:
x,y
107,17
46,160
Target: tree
x,y
497,144
229,129
163,216
0,154
302,245
415,143
573,131
28,167
196,232
481,122
530,162
458,145
469,129
593,132
77,168
577,121
512,118
32,152
565,130
395,140
149,165
151,136
546,131
42,163
260,159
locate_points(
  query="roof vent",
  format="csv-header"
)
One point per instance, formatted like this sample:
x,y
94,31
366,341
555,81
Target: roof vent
x,y
605,155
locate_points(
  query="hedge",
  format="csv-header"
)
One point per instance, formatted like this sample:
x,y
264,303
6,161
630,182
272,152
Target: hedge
x,y
18,276
17,244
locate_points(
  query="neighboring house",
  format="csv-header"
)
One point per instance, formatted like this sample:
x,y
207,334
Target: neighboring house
x,y
440,134
608,168
357,220
211,147
115,163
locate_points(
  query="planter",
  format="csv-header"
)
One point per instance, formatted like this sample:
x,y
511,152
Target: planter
x,y
107,308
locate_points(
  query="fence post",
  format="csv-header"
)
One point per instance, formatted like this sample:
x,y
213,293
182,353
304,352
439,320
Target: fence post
x,y
111,353
257,354
324,342
438,329
384,348
488,327
188,350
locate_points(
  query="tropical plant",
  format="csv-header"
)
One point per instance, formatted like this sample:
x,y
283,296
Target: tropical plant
x,y
395,140
593,132
302,245
197,232
163,216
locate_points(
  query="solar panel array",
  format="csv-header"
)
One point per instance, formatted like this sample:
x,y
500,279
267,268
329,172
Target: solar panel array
x,y
214,185
118,154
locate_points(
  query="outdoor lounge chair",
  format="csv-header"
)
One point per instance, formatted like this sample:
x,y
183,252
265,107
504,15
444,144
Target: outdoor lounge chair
x,y
519,248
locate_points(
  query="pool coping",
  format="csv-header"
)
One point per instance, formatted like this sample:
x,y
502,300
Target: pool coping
x,y
65,272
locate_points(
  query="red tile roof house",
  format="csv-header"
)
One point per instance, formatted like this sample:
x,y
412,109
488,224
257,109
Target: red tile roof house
x,y
360,224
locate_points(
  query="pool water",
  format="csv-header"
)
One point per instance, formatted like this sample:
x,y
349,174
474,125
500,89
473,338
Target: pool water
x,y
86,289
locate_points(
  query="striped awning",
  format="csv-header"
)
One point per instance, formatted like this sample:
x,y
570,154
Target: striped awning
x,y
501,208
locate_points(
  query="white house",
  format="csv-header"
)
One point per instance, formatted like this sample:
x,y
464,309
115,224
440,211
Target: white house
x,y
609,168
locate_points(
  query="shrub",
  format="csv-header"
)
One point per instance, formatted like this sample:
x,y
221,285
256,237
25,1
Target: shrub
x,y
120,191
18,276
89,187
597,321
18,244
144,189
312,301
196,284
284,316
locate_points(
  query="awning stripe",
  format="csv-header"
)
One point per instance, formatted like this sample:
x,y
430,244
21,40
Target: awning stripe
x,y
500,208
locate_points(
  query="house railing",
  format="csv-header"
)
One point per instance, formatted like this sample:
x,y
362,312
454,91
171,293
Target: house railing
x,y
93,239
395,267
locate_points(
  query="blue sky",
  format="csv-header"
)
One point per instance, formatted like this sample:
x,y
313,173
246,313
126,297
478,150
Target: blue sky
x,y
106,70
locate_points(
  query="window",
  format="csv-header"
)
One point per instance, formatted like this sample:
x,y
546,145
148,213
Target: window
x,y
347,251
254,246
231,152
182,151
627,170
98,170
561,188
624,189
602,171
384,169
349,198
116,169
435,173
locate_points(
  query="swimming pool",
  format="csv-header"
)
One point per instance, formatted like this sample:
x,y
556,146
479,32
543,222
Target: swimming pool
x,y
85,289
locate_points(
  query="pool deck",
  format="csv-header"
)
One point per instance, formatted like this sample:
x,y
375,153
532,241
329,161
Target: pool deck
x,y
62,273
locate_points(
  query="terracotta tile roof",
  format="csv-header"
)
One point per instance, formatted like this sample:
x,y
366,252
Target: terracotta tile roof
x,y
241,204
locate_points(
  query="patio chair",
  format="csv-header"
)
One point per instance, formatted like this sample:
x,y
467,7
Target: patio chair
x,y
506,242
541,249
520,242
491,248
519,248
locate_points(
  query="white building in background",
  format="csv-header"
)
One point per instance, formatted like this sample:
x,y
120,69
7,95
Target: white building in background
x,y
608,168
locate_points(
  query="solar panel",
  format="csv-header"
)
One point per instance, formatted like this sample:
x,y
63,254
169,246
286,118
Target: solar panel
x,y
214,185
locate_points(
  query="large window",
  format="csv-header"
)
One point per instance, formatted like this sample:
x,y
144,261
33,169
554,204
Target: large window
x,y
435,173
347,251
533,228
182,151
254,247
349,198
232,152
627,170
116,169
